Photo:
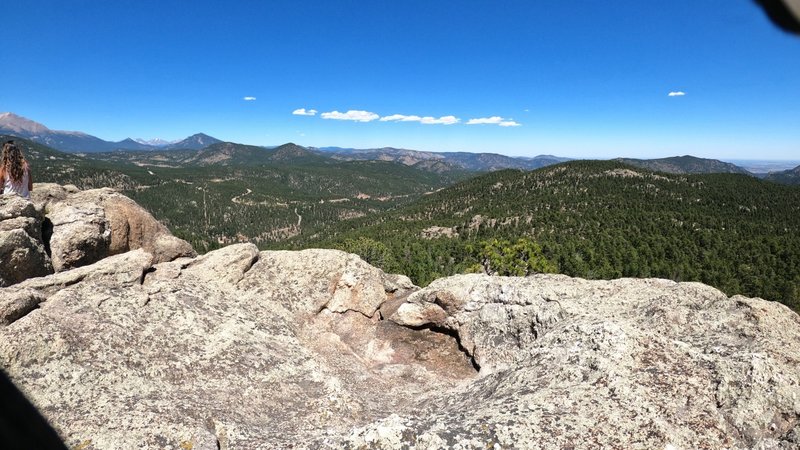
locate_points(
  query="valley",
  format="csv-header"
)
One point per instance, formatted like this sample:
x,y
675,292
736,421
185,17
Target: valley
x,y
597,219
591,219
230,193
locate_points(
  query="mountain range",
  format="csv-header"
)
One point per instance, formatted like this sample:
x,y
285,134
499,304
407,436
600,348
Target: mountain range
x,y
461,160
156,142
202,149
685,164
77,141
593,218
791,176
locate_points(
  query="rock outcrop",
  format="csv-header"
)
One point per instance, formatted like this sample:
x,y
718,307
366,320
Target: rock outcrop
x,y
63,228
22,248
317,349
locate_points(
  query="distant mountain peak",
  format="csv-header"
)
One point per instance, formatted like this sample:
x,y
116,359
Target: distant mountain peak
x,y
290,151
291,146
684,164
156,142
10,122
194,142
791,176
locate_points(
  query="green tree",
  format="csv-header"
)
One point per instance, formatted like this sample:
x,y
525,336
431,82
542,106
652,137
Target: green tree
x,y
374,252
506,258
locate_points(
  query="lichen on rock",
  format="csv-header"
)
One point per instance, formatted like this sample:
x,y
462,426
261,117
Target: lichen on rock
x,y
241,348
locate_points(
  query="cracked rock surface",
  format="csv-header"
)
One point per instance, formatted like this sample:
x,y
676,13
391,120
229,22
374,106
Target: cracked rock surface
x,y
62,228
241,349
22,249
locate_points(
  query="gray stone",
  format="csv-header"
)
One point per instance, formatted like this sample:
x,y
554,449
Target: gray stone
x,y
22,251
81,234
64,228
44,194
16,304
90,225
317,349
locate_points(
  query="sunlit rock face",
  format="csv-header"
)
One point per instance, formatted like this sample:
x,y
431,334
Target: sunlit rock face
x,y
22,248
62,228
241,349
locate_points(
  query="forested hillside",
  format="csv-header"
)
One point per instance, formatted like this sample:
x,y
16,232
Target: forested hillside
x,y
250,194
50,165
594,219
214,206
791,176
685,164
597,219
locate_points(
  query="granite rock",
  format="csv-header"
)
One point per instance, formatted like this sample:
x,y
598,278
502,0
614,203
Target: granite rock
x,y
23,252
63,228
317,349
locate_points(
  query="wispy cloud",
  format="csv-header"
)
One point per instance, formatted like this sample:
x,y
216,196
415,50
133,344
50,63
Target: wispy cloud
x,y
445,120
354,115
368,116
494,120
676,94
401,118
427,120
249,99
304,112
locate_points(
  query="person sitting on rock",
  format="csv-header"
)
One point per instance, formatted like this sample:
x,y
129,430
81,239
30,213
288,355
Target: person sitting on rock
x,y
15,173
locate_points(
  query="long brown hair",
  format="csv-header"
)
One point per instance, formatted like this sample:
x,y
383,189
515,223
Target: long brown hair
x,y
13,162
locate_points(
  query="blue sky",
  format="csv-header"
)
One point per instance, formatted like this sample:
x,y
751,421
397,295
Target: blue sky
x,y
587,78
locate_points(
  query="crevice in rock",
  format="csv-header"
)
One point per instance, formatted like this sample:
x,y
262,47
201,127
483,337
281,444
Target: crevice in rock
x,y
218,432
392,304
249,266
73,281
145,272
453,334
20,314
325,308
47,234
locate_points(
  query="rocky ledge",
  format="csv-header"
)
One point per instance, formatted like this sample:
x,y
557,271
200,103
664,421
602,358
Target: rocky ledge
x,y
62,228
241,349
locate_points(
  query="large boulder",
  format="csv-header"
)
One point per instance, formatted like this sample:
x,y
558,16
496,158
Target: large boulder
x,y
23,252
571,363
317,349
81,234
63,228
91,225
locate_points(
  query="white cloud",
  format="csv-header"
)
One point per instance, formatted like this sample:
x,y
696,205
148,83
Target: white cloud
x,y
494,120
676,93
304,112
401,118
354,115
249,99
445,120
427,120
